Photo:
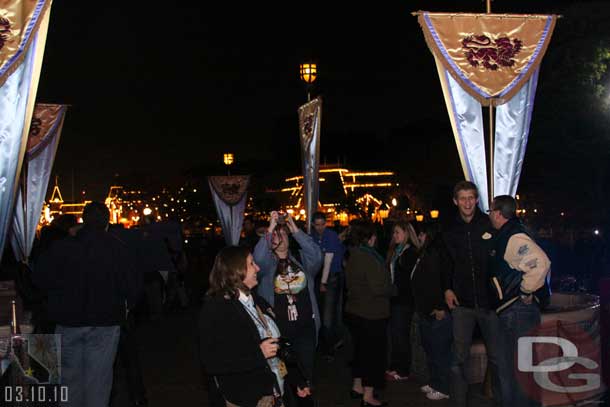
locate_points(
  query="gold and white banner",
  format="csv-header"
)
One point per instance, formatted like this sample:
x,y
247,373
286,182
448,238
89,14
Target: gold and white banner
x,y
229,193
23,33
489,60
310,121
45,132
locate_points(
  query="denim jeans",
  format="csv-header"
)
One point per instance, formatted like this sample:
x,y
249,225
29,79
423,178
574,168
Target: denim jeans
x,y
437,337
464,321
399,335
332,312
87,357
517,320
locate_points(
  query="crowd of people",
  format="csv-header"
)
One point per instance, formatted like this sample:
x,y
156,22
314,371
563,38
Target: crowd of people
x,y
290,293
283,296
92,283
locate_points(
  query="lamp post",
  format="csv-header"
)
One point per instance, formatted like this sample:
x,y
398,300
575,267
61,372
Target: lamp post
x,y
308,72
228,160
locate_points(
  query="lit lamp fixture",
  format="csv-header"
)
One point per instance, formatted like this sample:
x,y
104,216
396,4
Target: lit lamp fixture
x,y
434,214
394,202
308,72
419,218
228,159
147,211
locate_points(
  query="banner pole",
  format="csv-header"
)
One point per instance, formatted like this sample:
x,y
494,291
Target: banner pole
x,y
491,153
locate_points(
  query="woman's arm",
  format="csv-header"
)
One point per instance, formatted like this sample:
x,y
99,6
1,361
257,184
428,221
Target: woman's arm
x,y
311,254
263,255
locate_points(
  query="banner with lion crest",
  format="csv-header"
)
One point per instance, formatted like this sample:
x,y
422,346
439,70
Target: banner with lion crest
x,y
310,121
45,131
229,194
489,60
23,32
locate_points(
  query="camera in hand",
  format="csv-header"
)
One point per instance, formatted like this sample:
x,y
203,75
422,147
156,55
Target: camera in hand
x,y
285,351
281,217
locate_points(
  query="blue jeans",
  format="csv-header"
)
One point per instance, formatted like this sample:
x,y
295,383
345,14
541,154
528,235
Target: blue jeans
x,y
464,321
517,320
436,337
87,358
332,312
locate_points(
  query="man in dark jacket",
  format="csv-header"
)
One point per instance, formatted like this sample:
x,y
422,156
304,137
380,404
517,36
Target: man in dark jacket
x,y
467,239
90,282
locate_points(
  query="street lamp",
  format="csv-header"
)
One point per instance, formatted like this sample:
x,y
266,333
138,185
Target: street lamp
x,y
228,160
308,72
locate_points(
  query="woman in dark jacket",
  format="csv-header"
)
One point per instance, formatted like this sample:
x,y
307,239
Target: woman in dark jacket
x,y
367,311
400,260
238,335
434,318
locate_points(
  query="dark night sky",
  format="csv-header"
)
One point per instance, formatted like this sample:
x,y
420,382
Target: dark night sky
x,y
157,91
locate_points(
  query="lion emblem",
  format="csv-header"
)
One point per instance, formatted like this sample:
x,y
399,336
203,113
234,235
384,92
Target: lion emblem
x,y
491,54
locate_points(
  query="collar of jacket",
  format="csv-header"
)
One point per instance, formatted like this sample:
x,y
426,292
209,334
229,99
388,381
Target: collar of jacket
x,y
476,218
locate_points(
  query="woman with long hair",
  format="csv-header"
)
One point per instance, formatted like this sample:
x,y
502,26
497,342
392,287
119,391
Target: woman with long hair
x,y
238,335
367,311
435,323
401,258
288,285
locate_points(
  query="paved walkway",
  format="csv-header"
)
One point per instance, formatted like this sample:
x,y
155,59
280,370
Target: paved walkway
x,y
173,377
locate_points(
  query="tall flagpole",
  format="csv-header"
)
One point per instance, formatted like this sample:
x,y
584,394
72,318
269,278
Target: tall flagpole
x,y
491,138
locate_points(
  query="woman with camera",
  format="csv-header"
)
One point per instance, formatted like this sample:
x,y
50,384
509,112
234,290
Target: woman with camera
x,y
367,311
288,285
239,337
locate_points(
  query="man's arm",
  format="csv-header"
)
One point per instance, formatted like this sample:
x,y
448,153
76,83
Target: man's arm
x,y
523,254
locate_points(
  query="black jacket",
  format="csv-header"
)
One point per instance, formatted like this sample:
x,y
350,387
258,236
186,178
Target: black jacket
x,y
468,245
88,278
229,346
402,276
426,282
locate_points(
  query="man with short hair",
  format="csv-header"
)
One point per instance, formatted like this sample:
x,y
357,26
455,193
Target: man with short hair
x,y
332,283
90,282
467,238
519,268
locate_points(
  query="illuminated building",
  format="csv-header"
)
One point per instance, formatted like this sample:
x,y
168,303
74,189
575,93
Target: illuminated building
x,y
338,187
57,206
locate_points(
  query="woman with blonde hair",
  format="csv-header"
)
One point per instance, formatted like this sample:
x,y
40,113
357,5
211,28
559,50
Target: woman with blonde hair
x,y
400,261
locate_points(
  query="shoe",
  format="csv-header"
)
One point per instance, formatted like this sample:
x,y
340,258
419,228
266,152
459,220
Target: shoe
x,y
436,395
355,395
395,377
365,404
426,389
